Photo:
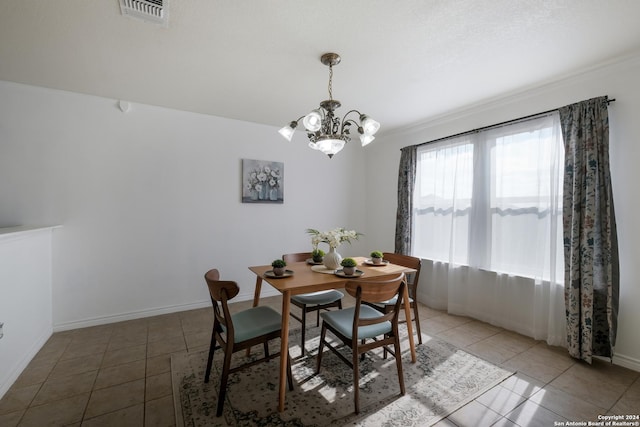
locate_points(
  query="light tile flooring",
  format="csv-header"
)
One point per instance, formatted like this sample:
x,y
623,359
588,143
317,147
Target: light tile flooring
x,y
119,375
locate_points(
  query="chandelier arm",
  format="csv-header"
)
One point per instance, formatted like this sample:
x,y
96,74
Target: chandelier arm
x,y
348,122
349,112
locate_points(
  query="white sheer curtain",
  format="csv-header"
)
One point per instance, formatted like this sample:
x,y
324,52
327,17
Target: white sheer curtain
x,y
488,213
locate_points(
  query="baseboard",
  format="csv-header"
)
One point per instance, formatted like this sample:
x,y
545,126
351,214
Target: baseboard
x,y
103,320
18,368
626,362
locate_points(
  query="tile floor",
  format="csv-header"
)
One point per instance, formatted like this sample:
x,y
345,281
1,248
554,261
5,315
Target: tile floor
x,y
119,375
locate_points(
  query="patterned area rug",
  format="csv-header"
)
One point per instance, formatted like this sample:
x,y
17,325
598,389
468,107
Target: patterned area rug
x,y
444,379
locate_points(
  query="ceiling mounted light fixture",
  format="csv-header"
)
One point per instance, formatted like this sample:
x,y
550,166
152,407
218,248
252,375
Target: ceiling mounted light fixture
x,y
326,132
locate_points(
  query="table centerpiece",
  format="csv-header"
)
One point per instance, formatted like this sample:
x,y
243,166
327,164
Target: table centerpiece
x,y
333,238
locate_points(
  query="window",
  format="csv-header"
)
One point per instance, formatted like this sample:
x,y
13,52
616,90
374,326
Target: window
x,y
493,199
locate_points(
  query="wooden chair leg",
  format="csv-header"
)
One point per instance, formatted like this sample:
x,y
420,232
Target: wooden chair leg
x,y
356,380
323,334
223,382
266,349
398,356
289,374
317,318
304,328
417,319
212,348
384,350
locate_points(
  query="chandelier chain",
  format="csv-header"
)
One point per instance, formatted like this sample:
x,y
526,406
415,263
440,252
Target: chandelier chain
x,y
330,82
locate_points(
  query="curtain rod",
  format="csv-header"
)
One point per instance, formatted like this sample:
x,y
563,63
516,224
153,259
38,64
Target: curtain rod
x,y
531,116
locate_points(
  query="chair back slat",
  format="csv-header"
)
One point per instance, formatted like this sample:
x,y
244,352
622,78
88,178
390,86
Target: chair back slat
x,y
216,286
404,260
297,257
221,291
376,291
373,290
409,262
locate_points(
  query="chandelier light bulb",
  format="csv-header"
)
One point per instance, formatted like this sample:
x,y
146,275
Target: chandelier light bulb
x,y
312,121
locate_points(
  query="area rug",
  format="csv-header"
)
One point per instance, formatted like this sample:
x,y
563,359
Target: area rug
x,y
444,379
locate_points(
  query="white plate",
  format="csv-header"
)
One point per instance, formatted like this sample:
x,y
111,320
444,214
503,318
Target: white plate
x,y
358,273
370,262
270,274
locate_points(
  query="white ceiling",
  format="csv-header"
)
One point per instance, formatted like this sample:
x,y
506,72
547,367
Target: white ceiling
x,y
403,62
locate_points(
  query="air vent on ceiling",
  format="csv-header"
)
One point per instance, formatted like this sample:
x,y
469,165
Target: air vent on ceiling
x,y
155,11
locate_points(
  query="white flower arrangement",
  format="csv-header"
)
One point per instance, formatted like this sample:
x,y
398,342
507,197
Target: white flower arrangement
x,y
333,238
263,177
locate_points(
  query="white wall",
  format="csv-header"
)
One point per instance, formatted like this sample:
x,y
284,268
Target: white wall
x,y
150,200
25,298
617,80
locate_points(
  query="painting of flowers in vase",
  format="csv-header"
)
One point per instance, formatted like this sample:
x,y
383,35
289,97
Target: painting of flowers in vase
x,y
262,181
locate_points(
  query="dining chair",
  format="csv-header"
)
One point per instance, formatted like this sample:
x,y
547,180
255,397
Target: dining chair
x,y
355,325
314,301
412,283
239,331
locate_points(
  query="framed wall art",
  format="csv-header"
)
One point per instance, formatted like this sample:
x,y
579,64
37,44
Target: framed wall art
x,y
262,181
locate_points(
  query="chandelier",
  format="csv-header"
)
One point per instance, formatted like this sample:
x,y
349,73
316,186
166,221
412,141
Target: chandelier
x,y
326,132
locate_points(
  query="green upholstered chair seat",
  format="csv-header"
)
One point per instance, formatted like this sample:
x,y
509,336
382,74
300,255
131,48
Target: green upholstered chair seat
x,y
319,298
342,321
254,322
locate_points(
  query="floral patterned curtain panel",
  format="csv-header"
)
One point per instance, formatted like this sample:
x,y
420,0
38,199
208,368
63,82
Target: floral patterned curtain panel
x,y
590,238
406,180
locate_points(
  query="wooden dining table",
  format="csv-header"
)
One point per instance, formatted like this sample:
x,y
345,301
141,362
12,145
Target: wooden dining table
x,y
304,280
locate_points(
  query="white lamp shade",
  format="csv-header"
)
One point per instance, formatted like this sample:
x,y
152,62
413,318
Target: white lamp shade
x,y
330,146
369,125
287,132
313,145
366,139
312,121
